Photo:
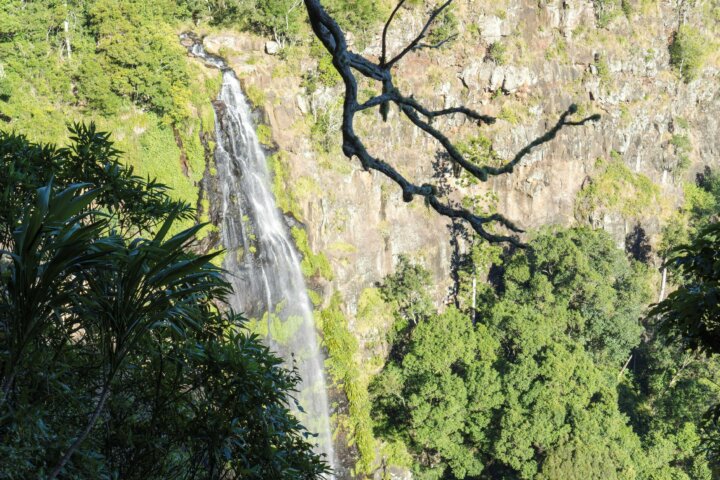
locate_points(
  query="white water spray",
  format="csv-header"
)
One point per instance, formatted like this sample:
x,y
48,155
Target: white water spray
x,y
261,257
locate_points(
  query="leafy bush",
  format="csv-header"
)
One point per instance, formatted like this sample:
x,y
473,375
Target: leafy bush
x,y
617,189
688,52
313,264
478,393
607,10
479,150
603,69
255,95
496,52
444,28
264,135
691,313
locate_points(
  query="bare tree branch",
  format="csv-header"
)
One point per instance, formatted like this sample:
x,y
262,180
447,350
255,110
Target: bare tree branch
x,y
383,57
347,63
448,111
439,44
411,46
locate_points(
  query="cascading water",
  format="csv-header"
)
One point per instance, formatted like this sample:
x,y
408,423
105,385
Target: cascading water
x,y
261,257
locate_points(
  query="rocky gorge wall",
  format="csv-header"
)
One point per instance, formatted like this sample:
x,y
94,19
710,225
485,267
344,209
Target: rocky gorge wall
x,y
554,55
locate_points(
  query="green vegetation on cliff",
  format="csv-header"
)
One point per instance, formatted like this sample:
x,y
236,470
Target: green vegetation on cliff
x,y
616,189
118,63
688,52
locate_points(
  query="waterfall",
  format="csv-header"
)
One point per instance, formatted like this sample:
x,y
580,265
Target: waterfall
x,y
261,258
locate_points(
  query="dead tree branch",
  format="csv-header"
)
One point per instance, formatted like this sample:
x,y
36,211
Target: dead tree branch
x,y
348,63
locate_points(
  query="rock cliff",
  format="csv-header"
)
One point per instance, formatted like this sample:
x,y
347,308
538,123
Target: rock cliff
x,y
553,54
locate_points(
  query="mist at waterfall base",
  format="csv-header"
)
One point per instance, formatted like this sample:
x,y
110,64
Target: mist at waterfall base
x,y
261,258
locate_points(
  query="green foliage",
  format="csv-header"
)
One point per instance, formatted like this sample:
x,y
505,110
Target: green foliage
x,y
284,197
681,143
264,135
441,396
627,9
372,310
137,51
101,326
682,122
617,189
702,199
472,271
276,328
683,148
126,70
581,272
313,264
676,397
510,115
667,401
360,17
139,205
286,20
607,10
603,70
691,312
325,74
95,88
497,52
558,50
688,52
701,207
444,29
325,129
407,291
343,364
256,95
479,150
528,389
279,18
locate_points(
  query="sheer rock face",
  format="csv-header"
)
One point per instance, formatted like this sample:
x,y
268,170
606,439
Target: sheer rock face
x,y
555,55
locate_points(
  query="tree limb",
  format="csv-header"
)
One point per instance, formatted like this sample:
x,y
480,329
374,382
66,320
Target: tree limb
x,y
411,46
437,45
83,435
348,63
385,30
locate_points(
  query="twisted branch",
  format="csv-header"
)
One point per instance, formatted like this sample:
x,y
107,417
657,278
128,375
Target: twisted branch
x,y
347,63
411,46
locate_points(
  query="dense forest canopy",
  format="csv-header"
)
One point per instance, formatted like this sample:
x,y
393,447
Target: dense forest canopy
x,y
119,357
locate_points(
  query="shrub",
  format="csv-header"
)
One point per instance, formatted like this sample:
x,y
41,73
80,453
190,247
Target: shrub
x,y
313,264
496,52
444,28
688,52
603,69
264,135
616,189
606,11
255,95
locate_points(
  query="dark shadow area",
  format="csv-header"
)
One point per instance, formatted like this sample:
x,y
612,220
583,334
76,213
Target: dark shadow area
x,y
637,244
